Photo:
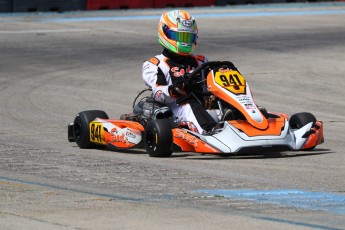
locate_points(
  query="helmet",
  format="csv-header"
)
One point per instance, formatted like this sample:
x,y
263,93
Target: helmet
x,y
178,32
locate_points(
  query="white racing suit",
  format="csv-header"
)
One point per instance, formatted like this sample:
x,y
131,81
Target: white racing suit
x,y
162,71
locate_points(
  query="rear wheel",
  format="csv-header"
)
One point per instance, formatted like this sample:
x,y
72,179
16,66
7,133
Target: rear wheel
x,y
159,138
299,120
81,128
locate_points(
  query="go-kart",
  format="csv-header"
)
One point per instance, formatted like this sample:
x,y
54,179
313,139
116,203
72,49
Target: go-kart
x,y
242,126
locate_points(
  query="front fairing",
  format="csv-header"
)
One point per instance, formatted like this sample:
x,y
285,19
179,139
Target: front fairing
x,y
231,87
236,139
231,140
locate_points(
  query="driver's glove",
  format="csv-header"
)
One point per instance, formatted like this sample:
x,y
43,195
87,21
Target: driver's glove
x,y
178,88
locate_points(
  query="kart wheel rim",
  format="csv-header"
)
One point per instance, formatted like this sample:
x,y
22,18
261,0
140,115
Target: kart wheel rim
x,y
150,140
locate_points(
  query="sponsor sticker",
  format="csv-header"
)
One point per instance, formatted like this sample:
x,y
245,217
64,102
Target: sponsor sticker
x,y
187,23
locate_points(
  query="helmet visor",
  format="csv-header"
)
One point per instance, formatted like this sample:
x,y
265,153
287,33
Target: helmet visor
x,y
185,37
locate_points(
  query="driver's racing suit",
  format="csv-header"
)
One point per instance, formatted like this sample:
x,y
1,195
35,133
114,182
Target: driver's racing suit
x,y
165,70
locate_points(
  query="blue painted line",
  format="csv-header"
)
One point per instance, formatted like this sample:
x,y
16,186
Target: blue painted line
x,y
52,186
315,201
203,15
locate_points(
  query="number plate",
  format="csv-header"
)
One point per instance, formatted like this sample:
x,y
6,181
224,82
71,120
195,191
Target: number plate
x,y
231,80
96,133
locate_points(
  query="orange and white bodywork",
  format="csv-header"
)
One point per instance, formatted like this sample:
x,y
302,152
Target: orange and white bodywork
x,y
189,142
118,133
240,136
253,134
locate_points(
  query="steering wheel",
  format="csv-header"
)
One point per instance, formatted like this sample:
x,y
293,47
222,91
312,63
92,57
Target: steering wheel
x,y
190,78
205,66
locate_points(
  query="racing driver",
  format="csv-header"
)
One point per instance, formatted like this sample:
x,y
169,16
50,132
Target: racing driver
x,y
164,73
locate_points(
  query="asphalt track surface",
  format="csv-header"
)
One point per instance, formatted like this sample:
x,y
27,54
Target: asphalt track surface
x,y
56,65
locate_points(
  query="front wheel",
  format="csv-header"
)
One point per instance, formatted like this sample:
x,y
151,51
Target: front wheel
x,y
159,138
81,130
299,120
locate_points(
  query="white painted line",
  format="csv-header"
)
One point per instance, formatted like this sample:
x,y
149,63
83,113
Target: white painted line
x,y
202,15
43,31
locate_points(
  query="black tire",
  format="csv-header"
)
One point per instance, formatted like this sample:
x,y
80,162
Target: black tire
x,y
299,120
159,138
81,129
